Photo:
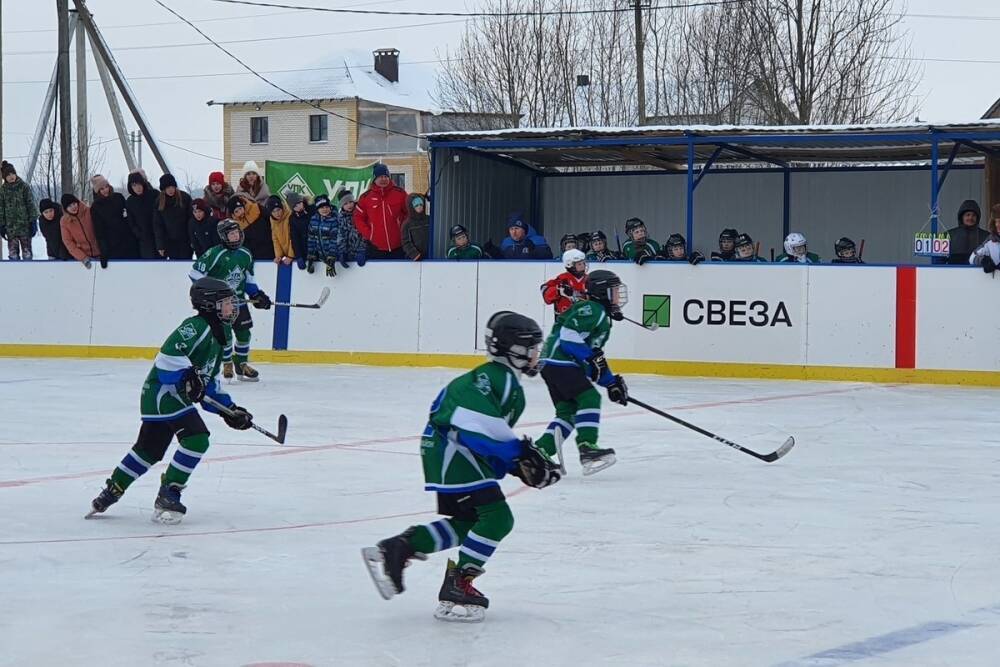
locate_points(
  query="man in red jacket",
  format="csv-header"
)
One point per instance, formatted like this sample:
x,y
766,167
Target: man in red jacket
x,y
379,214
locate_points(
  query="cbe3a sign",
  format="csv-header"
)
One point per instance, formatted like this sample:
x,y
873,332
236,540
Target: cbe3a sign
x,y
736,313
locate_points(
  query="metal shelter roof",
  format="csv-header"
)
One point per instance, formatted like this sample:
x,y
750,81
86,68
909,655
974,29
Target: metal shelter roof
x,y
671,147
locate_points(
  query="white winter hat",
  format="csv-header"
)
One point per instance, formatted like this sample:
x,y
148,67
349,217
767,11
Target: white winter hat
x,y
249,166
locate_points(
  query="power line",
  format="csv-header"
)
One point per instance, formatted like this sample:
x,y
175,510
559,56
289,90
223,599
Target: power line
x,y
188,150
568,12
159,24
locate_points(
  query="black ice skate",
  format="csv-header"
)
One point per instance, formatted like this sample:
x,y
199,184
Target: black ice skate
x,y
386,561
227,371
459,601
168,508
109,496
594,460
247,373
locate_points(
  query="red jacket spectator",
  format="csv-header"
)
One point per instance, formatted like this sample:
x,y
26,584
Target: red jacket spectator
x,y
379,215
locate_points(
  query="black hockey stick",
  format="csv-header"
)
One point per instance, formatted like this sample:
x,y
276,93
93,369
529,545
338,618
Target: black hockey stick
x,y
652,326
767,458
282,421
323,296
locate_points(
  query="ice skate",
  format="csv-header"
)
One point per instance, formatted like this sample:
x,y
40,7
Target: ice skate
x,y
459,601
109,496
247,373
594,460
227,371
168,508
386,561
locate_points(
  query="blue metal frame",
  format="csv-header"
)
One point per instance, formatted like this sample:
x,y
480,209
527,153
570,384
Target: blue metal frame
x,y
786,202
754,170
708,165
934,185
947,165
690,195
433,206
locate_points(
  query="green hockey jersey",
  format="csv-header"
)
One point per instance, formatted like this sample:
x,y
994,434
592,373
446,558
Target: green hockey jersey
x,y
581,329
235,267
471,251
785,258
631,249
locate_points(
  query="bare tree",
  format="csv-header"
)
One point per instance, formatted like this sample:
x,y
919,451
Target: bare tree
x,y
48,179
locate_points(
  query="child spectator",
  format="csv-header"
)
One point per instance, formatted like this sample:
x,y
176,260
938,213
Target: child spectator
x,y
217,194
110,215
17,213
246,212
987,255
599,251
797,250
727,246
350,245
323,233
141,207
203,232
639,248
675,250
845,252
49,214
299,226
281,235
173,208
77,230
745,250
461,247
417,228
523,242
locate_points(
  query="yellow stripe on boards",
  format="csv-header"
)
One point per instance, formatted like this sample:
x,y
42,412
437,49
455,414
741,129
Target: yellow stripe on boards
x,y
624,366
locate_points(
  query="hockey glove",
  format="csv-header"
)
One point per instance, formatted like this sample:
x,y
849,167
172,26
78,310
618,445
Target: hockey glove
x,y
534,468
617,315
618,391
261,300
239,418
597,365
643,256
104,262
567,290
342,258
309,266
696,258
192,385
362,256
989,266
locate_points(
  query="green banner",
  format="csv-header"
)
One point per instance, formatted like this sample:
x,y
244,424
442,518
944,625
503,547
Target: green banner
x,y
310,180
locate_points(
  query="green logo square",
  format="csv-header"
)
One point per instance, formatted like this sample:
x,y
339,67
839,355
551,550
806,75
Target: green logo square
x,y
656,309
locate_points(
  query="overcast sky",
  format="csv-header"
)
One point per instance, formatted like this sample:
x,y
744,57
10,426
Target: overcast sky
x,y
175,104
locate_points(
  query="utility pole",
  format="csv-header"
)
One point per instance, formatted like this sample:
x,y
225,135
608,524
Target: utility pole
x,y
640,67
65,120
82,135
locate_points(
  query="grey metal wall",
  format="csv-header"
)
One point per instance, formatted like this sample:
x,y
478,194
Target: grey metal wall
x,y
883,207
478,193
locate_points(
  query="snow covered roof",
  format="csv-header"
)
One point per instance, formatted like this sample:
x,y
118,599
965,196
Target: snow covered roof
x,y
349,75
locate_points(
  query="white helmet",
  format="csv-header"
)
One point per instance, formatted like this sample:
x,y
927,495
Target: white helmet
x,y
795,245
572,256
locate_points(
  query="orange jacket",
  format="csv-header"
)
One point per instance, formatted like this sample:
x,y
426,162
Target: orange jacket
x,y
78,234
281,235
552,291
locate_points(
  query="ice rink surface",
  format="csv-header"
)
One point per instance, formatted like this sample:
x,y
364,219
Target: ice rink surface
x,y
874,542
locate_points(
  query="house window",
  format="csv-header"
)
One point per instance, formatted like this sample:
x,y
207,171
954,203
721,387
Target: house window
x,y
318,128
382,130
258,130
399,180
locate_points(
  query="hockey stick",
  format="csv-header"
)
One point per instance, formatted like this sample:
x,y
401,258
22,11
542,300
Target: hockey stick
x,y
557,435
282,421
323,296
861,250
767,458
652,326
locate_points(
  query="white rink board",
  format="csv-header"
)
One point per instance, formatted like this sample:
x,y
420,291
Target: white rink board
x,y
958,319
46,303
448,301
511,286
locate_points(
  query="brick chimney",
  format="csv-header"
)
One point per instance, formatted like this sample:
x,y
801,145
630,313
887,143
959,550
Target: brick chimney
x,y
387,64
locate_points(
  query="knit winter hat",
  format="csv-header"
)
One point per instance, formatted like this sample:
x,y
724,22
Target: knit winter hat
x,y
380,170
273,202
293,198
233,204
167,181
201,205
69,199
417,200
249,166
321,201
46,204
345,197
515,220
137,176
217,177
6,168
97,182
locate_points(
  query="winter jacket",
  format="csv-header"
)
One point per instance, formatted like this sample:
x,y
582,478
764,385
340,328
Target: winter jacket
x,y
78,234
964,240
641,252
603,256
299,224
257,230
171,220
379,214
260,195
349,241
469,252
552,291
785,258
323,238
415,234
17,209
203,235
218,202
54,246
281,236
110,216
991,248
141,215
532,246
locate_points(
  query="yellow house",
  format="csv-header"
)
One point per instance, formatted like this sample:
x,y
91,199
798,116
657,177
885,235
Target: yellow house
x,y
364,108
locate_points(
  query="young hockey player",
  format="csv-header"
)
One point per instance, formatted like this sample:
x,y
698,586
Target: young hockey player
x,y
845,252
570,286
467,447
568,242
727,246
184,372
797,250
639,248
675,250
599,251
572,359
232,263
746,251
461,247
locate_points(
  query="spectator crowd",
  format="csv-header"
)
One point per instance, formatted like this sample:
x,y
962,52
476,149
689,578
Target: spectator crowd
x,y
340,229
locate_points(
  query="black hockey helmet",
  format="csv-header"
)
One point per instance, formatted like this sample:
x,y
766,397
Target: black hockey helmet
x,y
583,241
598,236
223,229
512,340
607,288
568,238
675,241
633,224
207,295
728,235
457,230
845,248
742,241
